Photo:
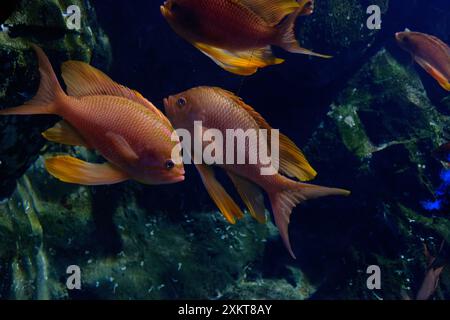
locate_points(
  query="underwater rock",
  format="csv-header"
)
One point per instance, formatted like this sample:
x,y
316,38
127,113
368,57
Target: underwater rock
x,y
40,22
338,28
377,140
123,248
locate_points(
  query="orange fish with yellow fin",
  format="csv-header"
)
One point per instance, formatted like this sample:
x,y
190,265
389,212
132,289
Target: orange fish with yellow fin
x,y
126,129
218,109
238,34
431,53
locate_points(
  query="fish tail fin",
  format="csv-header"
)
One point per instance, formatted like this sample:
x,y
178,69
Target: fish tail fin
x,y
289,194
286,32
47,95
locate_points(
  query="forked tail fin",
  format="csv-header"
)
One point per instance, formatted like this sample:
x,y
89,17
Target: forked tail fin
x,y
289,195
286,32
48,92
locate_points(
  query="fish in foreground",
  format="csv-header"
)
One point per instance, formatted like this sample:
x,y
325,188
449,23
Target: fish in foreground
x,y
238,34
125,128
222,110
431,281
430,53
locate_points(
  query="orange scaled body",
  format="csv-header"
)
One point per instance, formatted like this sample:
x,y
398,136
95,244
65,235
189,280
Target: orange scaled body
x,y
126,129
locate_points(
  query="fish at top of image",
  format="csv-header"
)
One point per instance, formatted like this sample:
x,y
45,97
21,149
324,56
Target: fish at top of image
x,y
238,34
431,53
221,110
126,129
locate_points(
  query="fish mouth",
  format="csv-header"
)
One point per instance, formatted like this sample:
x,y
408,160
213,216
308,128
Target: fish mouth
x,y
178,178
167,104
398,36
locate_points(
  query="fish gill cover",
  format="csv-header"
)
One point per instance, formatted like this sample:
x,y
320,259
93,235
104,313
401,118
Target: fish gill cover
x,y
367,120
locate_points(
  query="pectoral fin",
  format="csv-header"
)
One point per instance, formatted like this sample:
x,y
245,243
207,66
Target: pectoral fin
x,y
64,133
251,195
243,63
221,198
122,146
72,170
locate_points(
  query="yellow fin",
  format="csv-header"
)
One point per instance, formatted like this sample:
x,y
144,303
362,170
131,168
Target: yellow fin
x,y
242,63
436,74
446,86
251,195
64,133
292,161
72,170
271,11
122,146
84,80
221,198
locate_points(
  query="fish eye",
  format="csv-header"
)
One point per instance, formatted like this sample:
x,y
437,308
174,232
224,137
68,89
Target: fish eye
x,y
181,102
170,164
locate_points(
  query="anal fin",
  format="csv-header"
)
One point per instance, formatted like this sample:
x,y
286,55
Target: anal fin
x,y
76,171
251,195
221,198
64,133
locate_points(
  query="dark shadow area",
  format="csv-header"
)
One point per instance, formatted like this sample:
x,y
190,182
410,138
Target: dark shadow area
x,y
105,200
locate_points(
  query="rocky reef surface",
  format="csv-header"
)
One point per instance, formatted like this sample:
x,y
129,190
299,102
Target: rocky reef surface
x,y
368,120
43,23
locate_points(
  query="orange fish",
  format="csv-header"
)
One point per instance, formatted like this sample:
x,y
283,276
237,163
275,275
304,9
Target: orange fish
x,y
431,281
238,34
430,53
222,110
126,129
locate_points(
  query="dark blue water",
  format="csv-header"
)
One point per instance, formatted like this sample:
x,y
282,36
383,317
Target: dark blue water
x,y
369,120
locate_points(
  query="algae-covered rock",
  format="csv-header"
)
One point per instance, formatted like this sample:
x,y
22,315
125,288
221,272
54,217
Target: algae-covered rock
x,y
43,23
377,140
124,250
340,28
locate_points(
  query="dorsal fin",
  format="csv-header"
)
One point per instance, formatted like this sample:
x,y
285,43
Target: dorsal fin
x,y
292,162
440,43
271,11
84,80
